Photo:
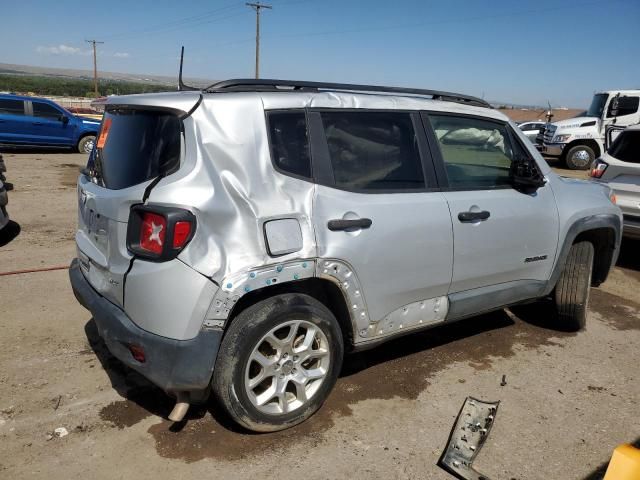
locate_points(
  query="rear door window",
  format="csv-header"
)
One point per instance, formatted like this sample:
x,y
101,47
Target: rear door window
x,y
290,143
627,147
477,153
44,110
373,151
11,107
134,146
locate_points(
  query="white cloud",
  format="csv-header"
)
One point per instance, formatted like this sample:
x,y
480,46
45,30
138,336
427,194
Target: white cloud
x,y
121,55
61,50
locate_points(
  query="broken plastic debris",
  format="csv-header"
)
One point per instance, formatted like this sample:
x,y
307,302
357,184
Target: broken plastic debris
x,y
60,432
469,429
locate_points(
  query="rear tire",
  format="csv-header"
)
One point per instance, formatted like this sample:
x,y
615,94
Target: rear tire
x,y
572,290
580,157
265,378
85,145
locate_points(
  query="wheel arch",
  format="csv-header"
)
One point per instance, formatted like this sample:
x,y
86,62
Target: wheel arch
x,y
604,232
86,134
323,290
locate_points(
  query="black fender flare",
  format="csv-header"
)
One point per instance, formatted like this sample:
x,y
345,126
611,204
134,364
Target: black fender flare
x,y
609,221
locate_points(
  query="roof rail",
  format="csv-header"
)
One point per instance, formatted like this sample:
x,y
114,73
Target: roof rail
x,y
269,85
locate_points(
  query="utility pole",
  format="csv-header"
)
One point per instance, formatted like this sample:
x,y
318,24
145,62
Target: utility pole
x,y
257,7
95,66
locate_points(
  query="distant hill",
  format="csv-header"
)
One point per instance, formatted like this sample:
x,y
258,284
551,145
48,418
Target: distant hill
x,y
11,69
526,115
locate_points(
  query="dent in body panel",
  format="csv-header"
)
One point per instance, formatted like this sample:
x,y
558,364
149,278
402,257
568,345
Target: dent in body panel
x,y
169,299
230,185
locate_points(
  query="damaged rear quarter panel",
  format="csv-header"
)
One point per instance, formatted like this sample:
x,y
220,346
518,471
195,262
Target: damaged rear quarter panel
x,y
227,180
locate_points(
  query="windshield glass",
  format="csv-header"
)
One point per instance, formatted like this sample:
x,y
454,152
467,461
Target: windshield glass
x,y
597,105
627,147
134,146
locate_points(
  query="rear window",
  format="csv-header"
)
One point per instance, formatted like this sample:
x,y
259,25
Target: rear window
x,y
134,146
627,147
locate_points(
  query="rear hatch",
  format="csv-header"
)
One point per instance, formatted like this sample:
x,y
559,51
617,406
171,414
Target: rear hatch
x,y
137,145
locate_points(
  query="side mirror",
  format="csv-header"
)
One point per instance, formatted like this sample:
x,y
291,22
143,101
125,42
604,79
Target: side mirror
x,y
64,119
526,175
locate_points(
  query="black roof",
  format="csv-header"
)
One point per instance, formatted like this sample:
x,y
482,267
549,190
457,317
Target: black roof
x,y
270,85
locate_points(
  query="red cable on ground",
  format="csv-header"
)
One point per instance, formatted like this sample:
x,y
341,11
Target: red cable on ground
x,y
34,270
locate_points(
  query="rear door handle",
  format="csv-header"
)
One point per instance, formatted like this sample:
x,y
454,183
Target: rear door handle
x,y
467,217
338,225
37,123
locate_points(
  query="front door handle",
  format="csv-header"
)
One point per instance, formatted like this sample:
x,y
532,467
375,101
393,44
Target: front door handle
x,y
338,225
37,123
468,217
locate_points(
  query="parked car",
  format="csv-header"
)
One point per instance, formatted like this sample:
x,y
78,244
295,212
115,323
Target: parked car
x,y
86,112
619,168
241,239
531,129
38,122
4,199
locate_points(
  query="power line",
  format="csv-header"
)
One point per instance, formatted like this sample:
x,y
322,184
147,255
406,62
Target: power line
x,y
95,66
257,7
185,22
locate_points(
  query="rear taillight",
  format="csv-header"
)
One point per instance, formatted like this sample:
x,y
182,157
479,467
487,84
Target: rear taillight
x,y
152,232
181,234
159,233
598,169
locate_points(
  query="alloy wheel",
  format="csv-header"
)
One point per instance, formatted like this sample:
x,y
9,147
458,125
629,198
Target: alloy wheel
x,y
287,367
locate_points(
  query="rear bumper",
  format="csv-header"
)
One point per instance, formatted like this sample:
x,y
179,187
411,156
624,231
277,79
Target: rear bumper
x,y
173,365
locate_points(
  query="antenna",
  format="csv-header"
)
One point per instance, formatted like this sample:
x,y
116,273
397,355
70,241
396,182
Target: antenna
x,y
181,85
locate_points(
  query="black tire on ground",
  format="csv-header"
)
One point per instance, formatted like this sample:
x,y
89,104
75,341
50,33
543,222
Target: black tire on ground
x,y
245,333
573,160
572,290
85,145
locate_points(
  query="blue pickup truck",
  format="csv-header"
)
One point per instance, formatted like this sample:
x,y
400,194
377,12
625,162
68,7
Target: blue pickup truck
x,y
38,122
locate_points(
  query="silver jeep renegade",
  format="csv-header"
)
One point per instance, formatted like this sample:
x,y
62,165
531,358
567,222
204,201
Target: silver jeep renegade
x,y
239,240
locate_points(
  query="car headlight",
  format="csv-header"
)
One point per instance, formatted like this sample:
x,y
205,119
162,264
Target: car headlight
x,y
561,138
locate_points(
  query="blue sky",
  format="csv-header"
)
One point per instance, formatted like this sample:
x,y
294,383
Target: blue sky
x,y
513,51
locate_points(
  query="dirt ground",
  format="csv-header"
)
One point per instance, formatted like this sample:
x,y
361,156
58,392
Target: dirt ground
x,y
569,399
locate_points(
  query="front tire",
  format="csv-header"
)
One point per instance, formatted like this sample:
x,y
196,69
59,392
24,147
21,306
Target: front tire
x,y
278,362
572,290
85,145
580,157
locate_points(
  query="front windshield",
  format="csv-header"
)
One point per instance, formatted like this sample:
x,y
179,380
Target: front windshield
x,y
597,105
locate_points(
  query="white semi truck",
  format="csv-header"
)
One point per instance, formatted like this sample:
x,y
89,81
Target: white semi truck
x,y
578,141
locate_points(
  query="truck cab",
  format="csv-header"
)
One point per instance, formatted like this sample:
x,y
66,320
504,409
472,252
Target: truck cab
x,y
39,122
579,141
